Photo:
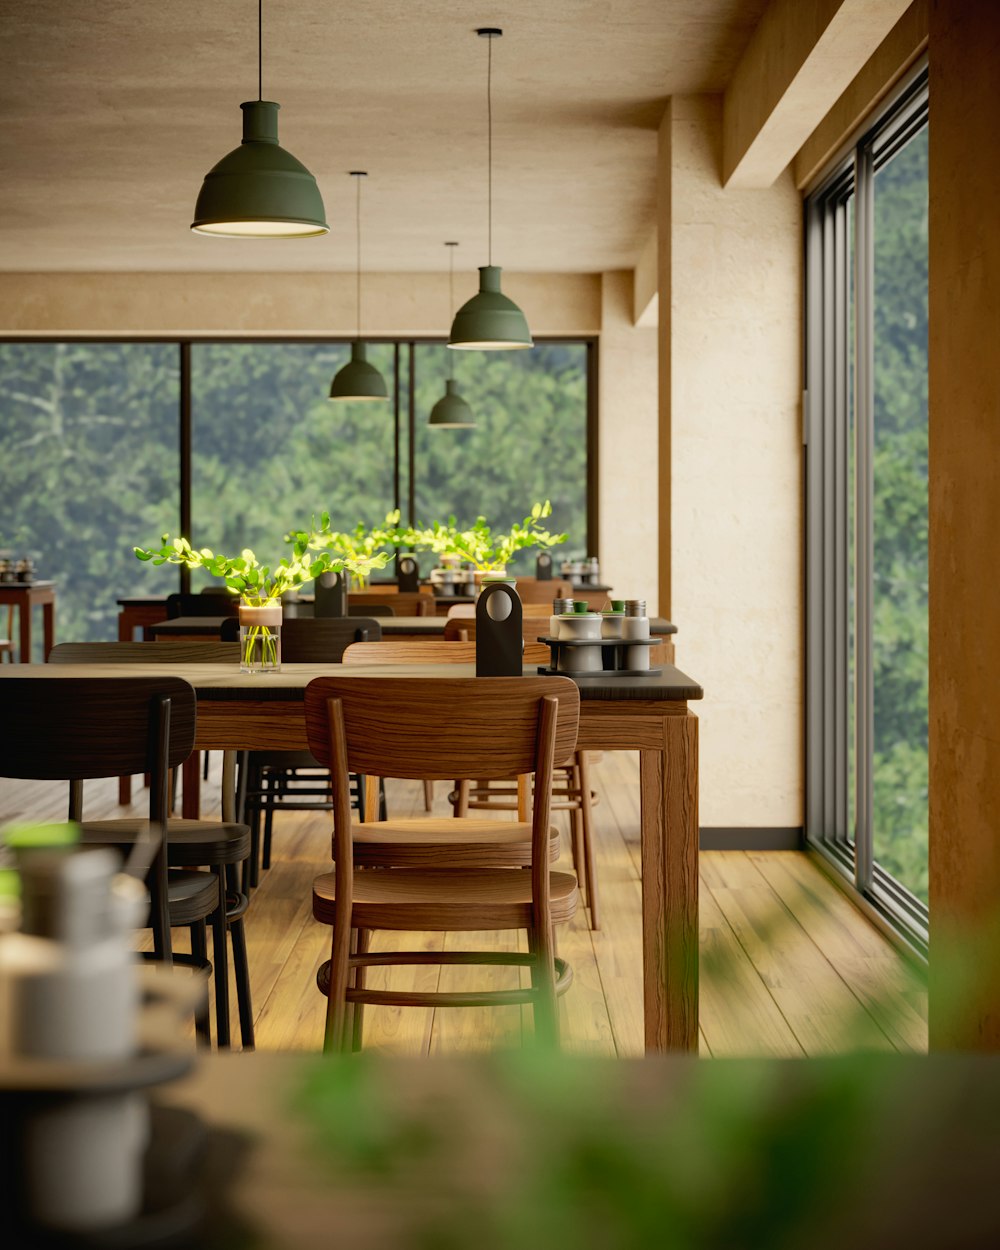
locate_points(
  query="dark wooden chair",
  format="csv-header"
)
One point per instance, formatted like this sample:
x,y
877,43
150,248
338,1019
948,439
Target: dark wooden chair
x,y
417,728
77,728
220,846
7,644
211,602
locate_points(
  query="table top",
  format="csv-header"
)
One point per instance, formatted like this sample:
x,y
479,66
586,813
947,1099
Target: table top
x,y
495,1130
225,682
37,584
432,626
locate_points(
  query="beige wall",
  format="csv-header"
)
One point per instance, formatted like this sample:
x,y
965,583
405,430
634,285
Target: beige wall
x,y
276,304
732,397
627,497
964,408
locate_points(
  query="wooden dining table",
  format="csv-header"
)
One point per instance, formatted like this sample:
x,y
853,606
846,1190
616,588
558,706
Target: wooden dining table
x,y
650,714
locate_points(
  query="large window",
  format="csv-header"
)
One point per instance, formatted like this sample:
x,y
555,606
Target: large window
x,y
110,444
867,513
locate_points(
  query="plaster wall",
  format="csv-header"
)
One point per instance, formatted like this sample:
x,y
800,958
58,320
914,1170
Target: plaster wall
x,y
627,496
731,396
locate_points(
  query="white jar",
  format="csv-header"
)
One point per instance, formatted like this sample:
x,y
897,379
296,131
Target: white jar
x,y
580,625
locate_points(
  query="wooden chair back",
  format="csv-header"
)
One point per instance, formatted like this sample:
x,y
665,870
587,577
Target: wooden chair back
x,y
455,727
402,603
144,653
463,629
73,728
323,640
208,603
531,589
410,651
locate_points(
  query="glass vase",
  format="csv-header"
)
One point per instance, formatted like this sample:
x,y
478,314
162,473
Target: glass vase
x,y
260,638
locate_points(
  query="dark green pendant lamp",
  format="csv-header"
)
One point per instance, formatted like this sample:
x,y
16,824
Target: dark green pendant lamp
x,y
358,380
260,191
490,321
451,412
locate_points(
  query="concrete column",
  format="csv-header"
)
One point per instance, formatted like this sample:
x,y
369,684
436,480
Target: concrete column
x,y
731,465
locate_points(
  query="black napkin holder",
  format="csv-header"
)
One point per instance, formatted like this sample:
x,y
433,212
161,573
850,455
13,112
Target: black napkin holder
x,y
499,640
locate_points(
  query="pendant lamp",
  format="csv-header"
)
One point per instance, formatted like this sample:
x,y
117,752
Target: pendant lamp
x,y
358,379
451,412
259,190
490,321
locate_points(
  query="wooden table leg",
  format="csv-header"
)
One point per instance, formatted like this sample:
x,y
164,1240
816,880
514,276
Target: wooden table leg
x,y
49,627
24,626
669,832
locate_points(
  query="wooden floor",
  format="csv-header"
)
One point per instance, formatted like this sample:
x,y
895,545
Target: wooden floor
x,y
788,966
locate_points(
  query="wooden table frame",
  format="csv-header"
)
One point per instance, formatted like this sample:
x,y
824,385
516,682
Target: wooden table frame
x,y
665,733
25,596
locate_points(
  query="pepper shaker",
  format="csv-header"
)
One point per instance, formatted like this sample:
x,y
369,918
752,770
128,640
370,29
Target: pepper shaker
x,y
636,625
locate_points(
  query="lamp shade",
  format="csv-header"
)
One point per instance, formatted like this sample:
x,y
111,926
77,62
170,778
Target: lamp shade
x,y
259,190
451,412
358,379
490,321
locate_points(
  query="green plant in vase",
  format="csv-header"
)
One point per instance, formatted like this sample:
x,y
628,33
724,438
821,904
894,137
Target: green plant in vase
x,y
366,547
487,551
259,585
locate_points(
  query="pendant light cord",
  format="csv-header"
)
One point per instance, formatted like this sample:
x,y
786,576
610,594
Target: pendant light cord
x,y
358,251
260,49
489,145
451,303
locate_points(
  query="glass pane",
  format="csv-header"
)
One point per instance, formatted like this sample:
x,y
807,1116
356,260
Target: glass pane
x,y
529,442
270,451
900,517
88,443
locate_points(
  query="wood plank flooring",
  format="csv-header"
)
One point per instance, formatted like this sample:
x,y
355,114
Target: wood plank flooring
x,y
788,966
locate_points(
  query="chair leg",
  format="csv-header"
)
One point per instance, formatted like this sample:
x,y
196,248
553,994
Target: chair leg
x,y
428,796
586,825
244,1002
543,977
199,951
336,1003
204,767
272,785
357,1027
221,963
462,802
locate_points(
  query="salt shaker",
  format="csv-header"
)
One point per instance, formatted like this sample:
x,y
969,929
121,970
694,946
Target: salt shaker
x,y
559,606
636,625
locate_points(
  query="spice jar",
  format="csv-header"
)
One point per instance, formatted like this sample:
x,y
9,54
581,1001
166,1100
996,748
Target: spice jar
x,y
636,625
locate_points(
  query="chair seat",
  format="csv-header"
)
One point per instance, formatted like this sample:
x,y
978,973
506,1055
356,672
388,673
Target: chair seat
x,y
191,896
406,898
436,842
190,843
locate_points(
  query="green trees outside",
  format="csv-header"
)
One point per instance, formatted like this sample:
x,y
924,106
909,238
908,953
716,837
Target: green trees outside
x,y
900,517
89,436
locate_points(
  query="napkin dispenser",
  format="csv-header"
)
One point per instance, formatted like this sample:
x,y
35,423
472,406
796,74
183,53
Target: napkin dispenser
x,y
499,640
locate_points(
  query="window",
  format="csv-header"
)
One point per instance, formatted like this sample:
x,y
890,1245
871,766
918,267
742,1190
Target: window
x,y
110,444
866,482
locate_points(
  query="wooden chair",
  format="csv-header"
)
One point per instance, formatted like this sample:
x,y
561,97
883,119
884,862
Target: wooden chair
x,y
76,728
222,847
402,603
573,791
295,780
417,728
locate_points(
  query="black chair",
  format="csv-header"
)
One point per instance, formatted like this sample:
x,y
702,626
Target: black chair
x,y
222,847
295,780
77,728
209,603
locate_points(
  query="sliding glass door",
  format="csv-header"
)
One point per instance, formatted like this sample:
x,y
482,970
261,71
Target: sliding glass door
x,y
866,431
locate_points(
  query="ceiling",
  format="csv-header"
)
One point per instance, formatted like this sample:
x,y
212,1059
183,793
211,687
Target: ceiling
x,y
113,112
